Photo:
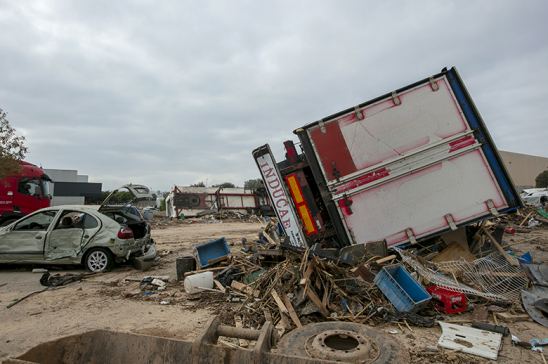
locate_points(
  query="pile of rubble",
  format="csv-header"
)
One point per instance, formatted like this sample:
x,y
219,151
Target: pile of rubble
x,y
465,271
163,222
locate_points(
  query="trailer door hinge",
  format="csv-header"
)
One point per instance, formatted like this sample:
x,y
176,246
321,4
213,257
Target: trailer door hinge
x,y
433,84
395,98
451,222
359,113
492,209
334,171
411,236
321,123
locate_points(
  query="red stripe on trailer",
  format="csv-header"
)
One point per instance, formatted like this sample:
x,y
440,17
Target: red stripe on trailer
x,y
461,143
363,180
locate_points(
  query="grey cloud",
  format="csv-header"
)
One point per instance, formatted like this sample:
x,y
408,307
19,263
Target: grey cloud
x,y
177,92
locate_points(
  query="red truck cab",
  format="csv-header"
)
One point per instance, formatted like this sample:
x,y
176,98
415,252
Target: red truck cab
x,y
23,193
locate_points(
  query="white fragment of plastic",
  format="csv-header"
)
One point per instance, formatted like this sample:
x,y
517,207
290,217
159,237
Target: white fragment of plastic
x,y
39,270
158,282
469,340
164,302
533,223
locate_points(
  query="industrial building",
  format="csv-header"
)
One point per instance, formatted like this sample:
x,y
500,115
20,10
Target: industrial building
x,y
71,188
523,168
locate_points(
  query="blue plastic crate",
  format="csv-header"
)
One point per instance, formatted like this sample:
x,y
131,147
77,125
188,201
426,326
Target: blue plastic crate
x,y
211,252
402,290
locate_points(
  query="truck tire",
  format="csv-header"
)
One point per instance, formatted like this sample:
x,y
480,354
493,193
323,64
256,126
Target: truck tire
x,y
98,260
345,342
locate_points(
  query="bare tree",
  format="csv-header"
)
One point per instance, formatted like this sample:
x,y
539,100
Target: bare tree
x,y
12,147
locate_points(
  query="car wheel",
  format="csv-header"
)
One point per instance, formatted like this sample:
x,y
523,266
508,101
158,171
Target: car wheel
x,y
98,260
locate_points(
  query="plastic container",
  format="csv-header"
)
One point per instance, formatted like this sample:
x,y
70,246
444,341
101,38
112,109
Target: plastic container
x,y
196,281
211,252
183,265
402,290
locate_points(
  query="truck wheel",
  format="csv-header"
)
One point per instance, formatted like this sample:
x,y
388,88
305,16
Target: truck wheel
x,y
98,260
343,341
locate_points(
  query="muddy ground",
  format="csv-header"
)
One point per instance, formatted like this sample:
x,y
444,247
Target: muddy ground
x,y
108,301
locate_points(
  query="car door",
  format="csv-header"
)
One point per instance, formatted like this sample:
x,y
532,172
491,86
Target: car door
x,y
24,241
71,233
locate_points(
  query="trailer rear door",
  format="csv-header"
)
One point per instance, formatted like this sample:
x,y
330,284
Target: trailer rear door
x,y
410,164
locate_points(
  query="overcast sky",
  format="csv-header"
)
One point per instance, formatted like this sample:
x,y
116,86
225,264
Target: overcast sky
x,y
175,92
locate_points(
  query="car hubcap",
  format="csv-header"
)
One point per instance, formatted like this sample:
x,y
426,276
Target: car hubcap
x,y
97,261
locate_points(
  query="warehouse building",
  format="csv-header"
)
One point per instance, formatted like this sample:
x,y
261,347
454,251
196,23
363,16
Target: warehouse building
x,y
71,188
524,168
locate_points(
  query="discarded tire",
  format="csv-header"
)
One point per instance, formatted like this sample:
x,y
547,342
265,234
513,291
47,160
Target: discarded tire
x,y
343,341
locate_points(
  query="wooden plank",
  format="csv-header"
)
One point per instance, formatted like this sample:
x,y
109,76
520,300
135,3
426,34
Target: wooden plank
x,y
386,259
216,260
219,285
511,260
269,238
292,314
316,300
363,272
267,315
309,270
307,273
325,298
505,316
279,302
526,218
270,252
239,286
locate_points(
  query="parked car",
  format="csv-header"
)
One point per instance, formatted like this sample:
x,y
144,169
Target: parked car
x,y
535,196
94,236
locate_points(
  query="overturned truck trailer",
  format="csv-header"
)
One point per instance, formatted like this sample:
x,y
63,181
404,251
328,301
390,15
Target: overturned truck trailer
x,y
403,167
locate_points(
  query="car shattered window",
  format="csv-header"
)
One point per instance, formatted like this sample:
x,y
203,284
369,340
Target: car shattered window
x,y
90,222
76,220
39,221
141,190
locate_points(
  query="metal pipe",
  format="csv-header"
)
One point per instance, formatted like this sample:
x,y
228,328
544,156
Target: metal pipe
x,y
238,332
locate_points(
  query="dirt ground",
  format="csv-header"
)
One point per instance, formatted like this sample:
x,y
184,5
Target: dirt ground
x,y
108,301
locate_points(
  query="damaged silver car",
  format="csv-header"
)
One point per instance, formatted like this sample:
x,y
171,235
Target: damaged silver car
x,y
94,236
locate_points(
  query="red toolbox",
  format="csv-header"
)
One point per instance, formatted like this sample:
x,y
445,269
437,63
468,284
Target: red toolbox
x,y
448,301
